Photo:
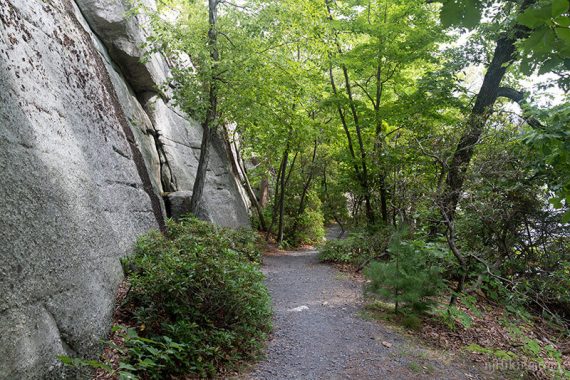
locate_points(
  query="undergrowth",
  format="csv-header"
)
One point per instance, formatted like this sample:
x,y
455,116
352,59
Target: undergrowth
x,y
357,248
406,287
197,303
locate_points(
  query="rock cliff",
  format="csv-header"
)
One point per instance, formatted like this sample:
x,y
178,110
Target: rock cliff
x,y
88,152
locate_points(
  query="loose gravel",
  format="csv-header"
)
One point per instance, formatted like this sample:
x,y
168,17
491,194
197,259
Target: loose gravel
x,y
319,333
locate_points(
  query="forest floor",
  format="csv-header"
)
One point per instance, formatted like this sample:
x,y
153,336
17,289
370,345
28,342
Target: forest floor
x,y
320,331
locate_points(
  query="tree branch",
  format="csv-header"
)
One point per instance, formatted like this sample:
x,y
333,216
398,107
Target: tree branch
x,y
510,93
519,98
365,92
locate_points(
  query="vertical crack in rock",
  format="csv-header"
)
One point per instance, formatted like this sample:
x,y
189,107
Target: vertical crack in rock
x,y
141,91
137,155
167,177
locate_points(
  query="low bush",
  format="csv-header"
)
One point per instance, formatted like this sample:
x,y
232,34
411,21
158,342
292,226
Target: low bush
x,y
339,251
410,279
200,286
358,248
300,228
198,298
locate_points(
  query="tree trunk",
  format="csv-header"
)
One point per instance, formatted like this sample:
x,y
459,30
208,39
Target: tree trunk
x,y
308,183
345,126
365,182
253,199
450,237
503,56
209,124
379,143
306,186
264,191
275,201
282,197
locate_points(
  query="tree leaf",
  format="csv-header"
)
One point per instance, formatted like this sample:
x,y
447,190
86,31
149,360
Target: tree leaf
x,y
563,21
559,7
466,13
549,65
563,34
534,17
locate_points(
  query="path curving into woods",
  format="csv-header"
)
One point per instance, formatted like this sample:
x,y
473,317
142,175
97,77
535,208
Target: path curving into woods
x,y
319,334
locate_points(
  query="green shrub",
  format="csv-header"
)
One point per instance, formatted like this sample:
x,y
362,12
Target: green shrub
x,y
245,242
149,358
307,227
358,248
197,287
410,278
310,228
337,251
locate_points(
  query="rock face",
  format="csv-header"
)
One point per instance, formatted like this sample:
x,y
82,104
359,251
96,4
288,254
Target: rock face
x,y
87,151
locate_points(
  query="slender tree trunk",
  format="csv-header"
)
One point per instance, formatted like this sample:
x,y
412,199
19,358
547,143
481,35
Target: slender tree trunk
x,y
450,236
308,182
264,191
240,171
253,199
306,186
291,167
282,197
345,126
379,144
209,124
364,176
383,199
281,174
275,200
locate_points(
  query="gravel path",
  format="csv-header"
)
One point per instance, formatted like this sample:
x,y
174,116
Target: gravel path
x,y
318,333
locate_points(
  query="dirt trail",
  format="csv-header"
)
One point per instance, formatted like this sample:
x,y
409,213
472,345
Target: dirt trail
x,y
319,334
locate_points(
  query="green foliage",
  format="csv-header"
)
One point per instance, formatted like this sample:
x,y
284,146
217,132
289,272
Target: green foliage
x,y
246,242
506,218
357,248
465,13
537,351
147,358
200,298
453,317
551,146
307,227
544,44
548,46
409,279
342,251
499,354
412,322
79,362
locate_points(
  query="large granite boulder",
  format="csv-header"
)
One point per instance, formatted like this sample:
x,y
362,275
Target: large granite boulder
x,y
84,167
75,193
